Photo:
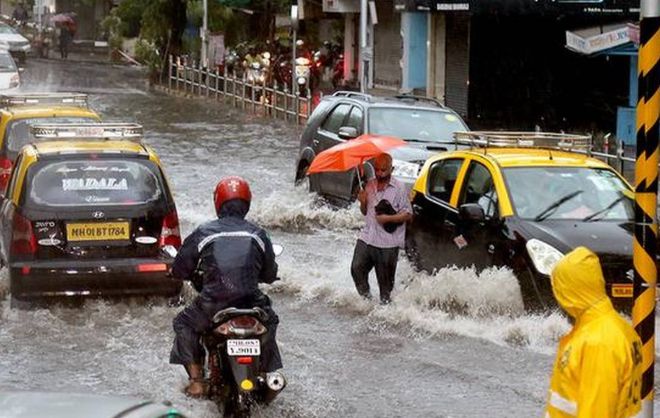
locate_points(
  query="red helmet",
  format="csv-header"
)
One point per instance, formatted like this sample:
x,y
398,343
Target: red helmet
x,y
232,187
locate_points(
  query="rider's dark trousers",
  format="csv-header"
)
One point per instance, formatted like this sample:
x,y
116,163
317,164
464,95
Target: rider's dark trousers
x,y
195,319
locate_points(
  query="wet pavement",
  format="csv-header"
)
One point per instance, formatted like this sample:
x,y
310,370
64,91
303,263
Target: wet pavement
x,y
452,344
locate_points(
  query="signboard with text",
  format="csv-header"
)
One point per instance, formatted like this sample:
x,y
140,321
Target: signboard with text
x,y
341,6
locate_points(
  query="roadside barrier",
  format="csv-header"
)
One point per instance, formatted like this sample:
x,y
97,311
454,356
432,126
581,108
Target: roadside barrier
x,y
260,98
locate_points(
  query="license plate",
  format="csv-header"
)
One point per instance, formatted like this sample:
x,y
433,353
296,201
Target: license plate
x,y
622,291
243,347
98,231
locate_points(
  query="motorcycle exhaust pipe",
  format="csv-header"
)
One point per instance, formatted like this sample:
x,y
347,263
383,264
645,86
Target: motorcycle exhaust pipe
x,y
275,382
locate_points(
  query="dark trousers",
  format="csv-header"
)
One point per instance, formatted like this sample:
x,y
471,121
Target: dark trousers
x,y
367,257
193,321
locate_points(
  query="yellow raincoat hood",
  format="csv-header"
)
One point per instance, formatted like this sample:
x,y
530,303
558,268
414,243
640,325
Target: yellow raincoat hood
x,y
577,281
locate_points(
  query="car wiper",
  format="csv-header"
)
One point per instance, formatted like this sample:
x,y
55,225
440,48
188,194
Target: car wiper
x,y
603,211
552,208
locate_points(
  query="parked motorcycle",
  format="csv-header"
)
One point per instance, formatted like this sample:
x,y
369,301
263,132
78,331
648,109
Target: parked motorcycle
x,y
233,358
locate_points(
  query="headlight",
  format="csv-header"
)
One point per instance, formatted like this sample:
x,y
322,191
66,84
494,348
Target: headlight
x,y
405,169
302,80
544,256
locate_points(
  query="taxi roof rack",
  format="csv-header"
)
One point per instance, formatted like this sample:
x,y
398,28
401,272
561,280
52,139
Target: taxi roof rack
x,y
131,131
53,98
504,139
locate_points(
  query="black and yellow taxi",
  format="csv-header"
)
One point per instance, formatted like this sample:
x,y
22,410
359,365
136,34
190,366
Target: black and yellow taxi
x,y
19,111
522,200
88,212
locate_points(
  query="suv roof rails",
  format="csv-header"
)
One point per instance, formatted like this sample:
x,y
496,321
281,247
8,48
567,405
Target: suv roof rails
x,y
354,95
540,140
415,98
77,99
130,131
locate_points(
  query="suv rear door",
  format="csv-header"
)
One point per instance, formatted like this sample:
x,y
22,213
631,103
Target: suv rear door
x,y
327,135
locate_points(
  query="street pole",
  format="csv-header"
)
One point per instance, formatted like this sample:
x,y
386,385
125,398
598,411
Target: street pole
x,y
363,45
294,27
205,26
646,191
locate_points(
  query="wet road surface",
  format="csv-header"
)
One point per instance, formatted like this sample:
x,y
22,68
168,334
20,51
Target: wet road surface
x,y
454,344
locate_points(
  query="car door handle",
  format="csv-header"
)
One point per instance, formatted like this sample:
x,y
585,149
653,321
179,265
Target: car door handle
x,y
315,142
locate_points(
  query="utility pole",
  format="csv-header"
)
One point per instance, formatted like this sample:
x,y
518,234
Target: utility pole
x,y
646,192
363,45
205,26
294,28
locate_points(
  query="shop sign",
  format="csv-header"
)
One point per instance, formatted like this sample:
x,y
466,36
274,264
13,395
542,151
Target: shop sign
x,y
414,5
451,5
585,43
341,6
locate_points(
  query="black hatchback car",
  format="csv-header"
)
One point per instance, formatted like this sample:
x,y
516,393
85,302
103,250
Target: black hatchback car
x,y
523,206
88,217
425,124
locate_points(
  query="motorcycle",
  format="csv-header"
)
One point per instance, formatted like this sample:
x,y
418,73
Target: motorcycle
x,y
233,358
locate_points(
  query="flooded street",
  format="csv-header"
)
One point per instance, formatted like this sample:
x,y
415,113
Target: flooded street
x,y
452,344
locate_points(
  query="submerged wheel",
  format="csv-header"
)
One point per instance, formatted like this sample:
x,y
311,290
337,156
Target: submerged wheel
x,y
237,405
536,297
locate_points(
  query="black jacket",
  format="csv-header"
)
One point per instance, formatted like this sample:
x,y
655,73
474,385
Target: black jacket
x,y
233,255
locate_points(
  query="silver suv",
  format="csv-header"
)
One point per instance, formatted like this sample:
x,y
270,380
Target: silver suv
x,y
424,123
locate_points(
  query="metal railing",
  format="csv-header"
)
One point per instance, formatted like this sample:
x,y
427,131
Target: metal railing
x,y
268,101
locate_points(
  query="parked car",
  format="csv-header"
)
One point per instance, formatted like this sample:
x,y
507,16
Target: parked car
x,y
25,404
425,124
523,204
88,213
10,78
19,111
17,44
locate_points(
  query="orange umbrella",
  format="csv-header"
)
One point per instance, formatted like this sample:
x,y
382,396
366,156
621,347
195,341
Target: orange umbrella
x,y
351,154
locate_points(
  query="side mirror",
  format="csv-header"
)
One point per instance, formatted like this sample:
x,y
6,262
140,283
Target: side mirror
x,y
21,69
471,212
347,132
277,249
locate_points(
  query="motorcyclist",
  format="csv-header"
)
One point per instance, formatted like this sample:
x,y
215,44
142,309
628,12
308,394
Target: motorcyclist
x,y
233,256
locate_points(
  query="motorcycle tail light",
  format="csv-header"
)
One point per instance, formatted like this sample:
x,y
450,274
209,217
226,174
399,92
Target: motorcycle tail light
x,y
244,360
169,234
241,326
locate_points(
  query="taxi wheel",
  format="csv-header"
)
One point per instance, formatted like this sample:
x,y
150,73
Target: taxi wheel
x,y
535,296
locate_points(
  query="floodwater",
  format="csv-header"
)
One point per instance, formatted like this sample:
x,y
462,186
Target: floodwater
x,y
452,344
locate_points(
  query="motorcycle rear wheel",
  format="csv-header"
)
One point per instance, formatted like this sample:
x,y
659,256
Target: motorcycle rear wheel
x,y
236,405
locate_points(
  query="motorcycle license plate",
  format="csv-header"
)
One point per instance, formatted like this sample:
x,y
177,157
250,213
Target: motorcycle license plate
x,y
243,347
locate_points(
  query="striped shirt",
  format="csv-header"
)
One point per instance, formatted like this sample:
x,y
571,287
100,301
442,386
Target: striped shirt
x,y
373,233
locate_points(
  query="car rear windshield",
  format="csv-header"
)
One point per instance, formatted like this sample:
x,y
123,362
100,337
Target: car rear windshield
x,y
93,182
415,124
575,193
18,130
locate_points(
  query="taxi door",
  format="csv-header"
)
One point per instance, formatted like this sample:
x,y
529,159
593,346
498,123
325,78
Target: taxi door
x,y
7,210
480,242
431,233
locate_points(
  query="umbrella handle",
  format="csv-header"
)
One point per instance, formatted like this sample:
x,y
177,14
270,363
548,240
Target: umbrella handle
x,y
357,170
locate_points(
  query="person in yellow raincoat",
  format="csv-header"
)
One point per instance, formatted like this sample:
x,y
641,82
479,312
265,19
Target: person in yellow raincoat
x,y
597,372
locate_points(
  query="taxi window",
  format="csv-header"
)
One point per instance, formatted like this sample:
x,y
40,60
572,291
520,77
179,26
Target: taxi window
x,y
336,118
18,131
479,188
100,182
442,178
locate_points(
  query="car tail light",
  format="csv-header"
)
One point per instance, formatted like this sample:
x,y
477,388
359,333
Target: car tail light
x,y
169,234
23,241
15,81
5,172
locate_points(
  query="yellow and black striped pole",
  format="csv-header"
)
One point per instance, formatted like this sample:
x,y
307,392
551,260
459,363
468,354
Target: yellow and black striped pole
x,y
646,191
